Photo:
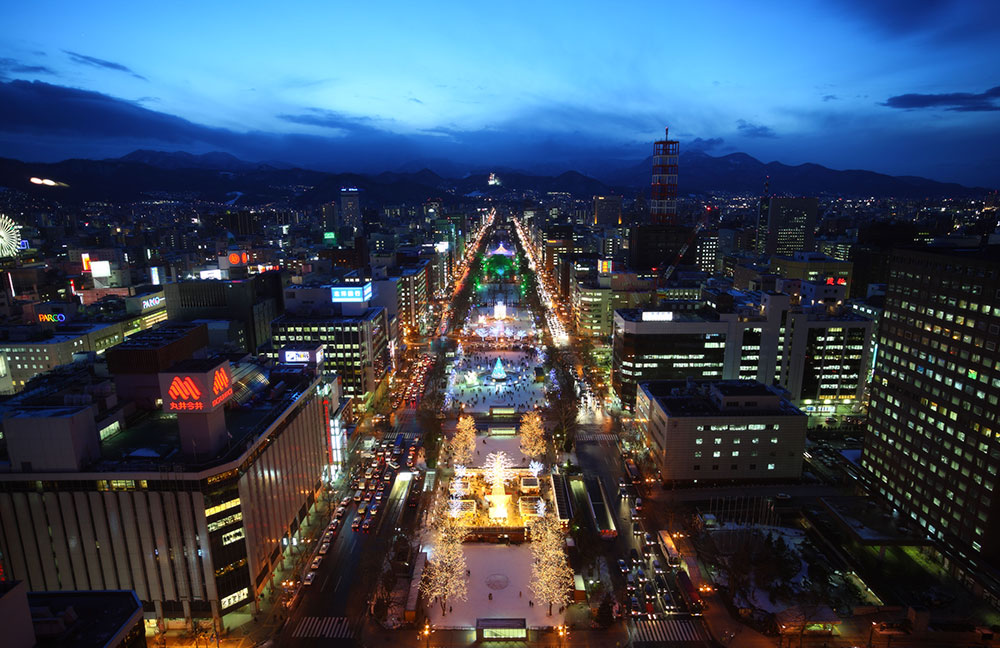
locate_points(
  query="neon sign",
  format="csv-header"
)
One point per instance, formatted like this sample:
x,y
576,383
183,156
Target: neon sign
x,y
840,281
51,317
340,294
151,302
183,389
237,258
85,260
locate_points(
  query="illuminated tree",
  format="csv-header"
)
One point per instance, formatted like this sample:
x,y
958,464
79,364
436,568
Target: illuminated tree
x,y
536,468
445,577
463,444
551,575
533,435
497,471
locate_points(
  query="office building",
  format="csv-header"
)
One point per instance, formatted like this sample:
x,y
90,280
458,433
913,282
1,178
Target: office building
x,y
814,267
821,356
931,449
663,205
29,351
595,300
706,252
786,225
357,340
721,431
191,502
607,210
350,208
252,302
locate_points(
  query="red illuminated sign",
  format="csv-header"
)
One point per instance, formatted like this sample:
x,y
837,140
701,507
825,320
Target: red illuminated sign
x,y
220,381
840,281
183,389
85,259
238,258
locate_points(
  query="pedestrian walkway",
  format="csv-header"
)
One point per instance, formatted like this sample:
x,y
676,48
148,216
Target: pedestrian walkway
x,y
328,627
663,631
597,438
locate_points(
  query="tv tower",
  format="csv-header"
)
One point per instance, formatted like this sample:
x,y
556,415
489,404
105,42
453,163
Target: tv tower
x,y
663,206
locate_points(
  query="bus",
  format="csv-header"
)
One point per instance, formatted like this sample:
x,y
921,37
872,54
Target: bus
x,y
669,549
690,594
632,471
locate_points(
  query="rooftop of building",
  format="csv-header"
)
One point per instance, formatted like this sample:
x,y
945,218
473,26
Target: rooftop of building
x,y
683,399
33,334
82,618
159,337
635,315
366,314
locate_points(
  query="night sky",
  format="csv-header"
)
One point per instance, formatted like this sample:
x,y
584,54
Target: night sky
x,y
904,87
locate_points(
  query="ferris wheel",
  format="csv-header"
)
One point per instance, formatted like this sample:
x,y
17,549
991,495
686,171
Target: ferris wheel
x,y
10,237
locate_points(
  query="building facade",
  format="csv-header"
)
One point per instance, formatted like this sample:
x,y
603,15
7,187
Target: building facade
x,y
720,431
931,449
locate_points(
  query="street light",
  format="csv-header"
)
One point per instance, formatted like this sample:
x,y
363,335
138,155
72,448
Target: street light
x,y
427,633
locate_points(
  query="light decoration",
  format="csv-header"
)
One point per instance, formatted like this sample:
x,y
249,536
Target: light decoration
x,y
496,473
10,237
541,508
535,467
498,374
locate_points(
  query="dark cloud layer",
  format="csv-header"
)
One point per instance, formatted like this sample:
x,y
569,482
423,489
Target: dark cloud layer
x,y
699,144
749,129
956,101
12,66
93,61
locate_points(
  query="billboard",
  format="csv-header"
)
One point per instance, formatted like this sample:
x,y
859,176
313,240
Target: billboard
x,y
100,268
657,316
359,293
294,357
196,391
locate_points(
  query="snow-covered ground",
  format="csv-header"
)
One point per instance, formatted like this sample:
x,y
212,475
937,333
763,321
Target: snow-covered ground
x,y
519,390
505,572
509,444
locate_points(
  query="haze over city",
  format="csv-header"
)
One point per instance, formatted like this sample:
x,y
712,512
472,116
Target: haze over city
x,y
903,88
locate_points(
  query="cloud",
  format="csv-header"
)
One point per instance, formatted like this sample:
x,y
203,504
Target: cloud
x,y
12,66
331,119
749,129
955,101
92,61
830,97
699,144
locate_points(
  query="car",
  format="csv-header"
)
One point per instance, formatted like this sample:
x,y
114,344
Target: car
x,y
323,548
328,536
638,503
358,495
345,502
783,496
316,561
657,567
334,526
661,583
378,496
310,577
634,556
629,582
339,513
634,606
622,566
648,539
641,574
373,511
366,525
362,508
356,524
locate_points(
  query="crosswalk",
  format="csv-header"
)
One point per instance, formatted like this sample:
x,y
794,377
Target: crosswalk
x,y
597,438
328,627
663,631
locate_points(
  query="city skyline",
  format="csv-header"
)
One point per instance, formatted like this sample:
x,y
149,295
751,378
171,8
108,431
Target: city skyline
x,y
897,89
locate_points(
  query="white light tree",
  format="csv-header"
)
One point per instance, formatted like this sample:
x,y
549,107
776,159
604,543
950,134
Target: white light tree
x,y
444,579
533,442
551,575
463,444
536,468
496,471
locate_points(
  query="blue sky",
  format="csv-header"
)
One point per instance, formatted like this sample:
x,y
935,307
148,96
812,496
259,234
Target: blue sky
x,y
902,87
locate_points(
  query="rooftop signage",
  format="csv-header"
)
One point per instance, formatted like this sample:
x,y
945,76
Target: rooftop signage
x,y
657,316
196,391
358,293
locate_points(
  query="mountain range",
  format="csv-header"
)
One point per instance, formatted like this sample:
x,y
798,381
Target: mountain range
x,y
221,177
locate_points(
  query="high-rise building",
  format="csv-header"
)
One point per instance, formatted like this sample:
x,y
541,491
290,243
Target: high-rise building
x,y
786,225
663,206
350,208
932,450
607,210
